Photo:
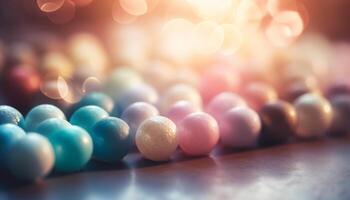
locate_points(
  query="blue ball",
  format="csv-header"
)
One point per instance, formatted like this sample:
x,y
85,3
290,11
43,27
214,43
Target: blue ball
x,y
73,148
49,126
9,114
111,139
9,133
41,113
87,116
95,99
31,157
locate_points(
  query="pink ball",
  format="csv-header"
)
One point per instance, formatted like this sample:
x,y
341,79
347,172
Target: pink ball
x,y
239,128
179,110
198,134
222,103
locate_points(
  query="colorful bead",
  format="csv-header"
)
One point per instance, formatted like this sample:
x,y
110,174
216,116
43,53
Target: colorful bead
x,y
41,113
137,113
314,115
73,148
240,128
9,133
156,138
279,120
258,94
179,110
49,126
141,93
87,116
179,92
222,103
111,139
9,114
341,108
31,157
96,99
198,134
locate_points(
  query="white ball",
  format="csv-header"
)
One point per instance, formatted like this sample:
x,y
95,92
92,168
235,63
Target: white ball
x,y
314,115
179,92
156,138
31,157
239,128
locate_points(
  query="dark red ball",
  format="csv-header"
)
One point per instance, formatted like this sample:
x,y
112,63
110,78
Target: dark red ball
x,y
278,123
19,84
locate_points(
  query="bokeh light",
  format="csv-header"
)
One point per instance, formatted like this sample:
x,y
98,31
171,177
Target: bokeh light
x,y
49,5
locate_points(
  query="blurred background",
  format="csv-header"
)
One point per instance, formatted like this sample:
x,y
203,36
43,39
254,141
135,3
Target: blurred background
x,y
58,50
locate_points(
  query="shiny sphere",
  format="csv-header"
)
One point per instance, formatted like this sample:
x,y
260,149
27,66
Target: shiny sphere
x,y
223,102
341,109
279,121
258,94
314,115
96,99
140,93
49,126
9,133
31,157
73,148
137,113
179,110
156,138
179,92
41,113
9,114
111,139
198,134
87,116
240,128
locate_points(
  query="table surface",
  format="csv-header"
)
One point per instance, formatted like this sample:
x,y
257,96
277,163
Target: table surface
x,y
307,170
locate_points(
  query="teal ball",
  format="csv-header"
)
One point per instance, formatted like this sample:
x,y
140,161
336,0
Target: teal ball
x,y
41,113
49,126
96,99
87,116
9,114
111,139
73,148
9,133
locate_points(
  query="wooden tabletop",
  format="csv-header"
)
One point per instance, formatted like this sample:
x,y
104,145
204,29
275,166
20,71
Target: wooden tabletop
x,y
308,170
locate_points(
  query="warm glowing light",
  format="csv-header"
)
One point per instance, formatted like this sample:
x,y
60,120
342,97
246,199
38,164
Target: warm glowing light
x,y
56,63
208,37
291,19
64,14
152,4
249,15
211,9
87,52
276,6
233,39
82,2
134,7
129,45
175,41
55,89
91,84
49,5
279,34
120,16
